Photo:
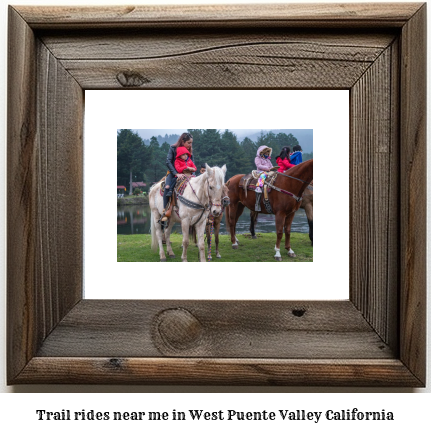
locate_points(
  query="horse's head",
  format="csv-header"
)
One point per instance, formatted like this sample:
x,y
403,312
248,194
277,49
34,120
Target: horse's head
x,y
226,200
215,179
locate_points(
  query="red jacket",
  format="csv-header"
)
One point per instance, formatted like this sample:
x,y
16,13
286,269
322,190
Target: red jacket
x,y
284,164
180,164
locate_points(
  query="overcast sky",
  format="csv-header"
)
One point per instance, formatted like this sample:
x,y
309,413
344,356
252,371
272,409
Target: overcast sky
x,y
148,133
304,136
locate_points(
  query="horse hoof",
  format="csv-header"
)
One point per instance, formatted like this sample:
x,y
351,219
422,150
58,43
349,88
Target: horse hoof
x,y
184,260
254,237
291,255
162,259
218,256
234,246
172,256
278,258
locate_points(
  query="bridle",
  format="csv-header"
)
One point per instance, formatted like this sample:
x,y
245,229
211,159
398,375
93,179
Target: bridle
x,y
294,178
270,184
199,205
210,204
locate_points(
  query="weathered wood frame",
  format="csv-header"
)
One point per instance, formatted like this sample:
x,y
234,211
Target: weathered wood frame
x,y
376,338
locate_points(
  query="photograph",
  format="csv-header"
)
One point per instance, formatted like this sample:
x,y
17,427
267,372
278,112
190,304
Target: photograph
x,y
215,212
224,91
237,195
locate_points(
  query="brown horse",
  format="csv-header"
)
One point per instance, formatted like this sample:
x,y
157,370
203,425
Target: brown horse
x,y
306,204
284,199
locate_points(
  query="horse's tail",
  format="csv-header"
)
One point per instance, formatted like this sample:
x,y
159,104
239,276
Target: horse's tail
x,y
193,234
152,200
154,241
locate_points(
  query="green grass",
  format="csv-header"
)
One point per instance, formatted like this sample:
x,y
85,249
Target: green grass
x,y
137,248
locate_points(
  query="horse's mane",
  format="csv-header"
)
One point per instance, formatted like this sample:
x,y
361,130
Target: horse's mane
x,y
155,184
298,167
218,172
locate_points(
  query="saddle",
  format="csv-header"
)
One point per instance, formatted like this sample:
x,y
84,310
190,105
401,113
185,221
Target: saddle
x,y
179,186
249,181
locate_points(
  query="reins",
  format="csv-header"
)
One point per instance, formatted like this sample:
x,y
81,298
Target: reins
x,y
294,178
199,206
272,180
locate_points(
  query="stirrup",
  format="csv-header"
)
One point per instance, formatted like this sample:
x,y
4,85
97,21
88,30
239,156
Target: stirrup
x,y
168,210
163,218
257,205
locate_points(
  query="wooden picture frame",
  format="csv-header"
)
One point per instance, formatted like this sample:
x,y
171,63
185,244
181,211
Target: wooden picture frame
x,y
376,338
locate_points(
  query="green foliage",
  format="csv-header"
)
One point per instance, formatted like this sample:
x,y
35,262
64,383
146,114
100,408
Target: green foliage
x,y
307,156
156,166
137,191
132,154
146,159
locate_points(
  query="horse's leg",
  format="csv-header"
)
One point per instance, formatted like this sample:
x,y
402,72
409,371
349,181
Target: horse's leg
x,y
168,230
158,229
309,213
217,221
208,236
287,228
200,231
230,222
279,224
185,224
216,233
239,211
235,211
253,220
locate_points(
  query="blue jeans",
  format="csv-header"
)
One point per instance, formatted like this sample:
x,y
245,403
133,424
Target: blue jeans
x,y
170,183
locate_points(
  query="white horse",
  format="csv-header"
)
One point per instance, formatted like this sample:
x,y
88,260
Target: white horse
x,y
202,195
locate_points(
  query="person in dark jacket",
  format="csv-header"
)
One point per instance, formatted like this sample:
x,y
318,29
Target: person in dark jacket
x,y
203,169
296,156
185,140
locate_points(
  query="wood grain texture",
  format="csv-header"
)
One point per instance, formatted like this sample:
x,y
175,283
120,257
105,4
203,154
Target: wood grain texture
x,y
150,44
413,194
59,182
227,329
196,371
45,190
230,60
300,14
376,338
22,199
373,195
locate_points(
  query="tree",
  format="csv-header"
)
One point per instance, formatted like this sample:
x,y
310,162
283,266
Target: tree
x,y
307,156
156,167
197,143
131,155
232,154
250,149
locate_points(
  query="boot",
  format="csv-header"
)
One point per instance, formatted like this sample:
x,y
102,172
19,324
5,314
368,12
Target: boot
x,y
166,203
168,211
257,205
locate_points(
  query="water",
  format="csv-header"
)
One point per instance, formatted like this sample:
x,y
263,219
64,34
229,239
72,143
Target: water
x,y
133,219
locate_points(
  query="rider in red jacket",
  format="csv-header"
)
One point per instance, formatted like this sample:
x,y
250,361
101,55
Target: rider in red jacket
x,y
184,160
283,160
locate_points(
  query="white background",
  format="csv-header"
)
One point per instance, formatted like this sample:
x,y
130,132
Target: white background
x,y
326,112
18,410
